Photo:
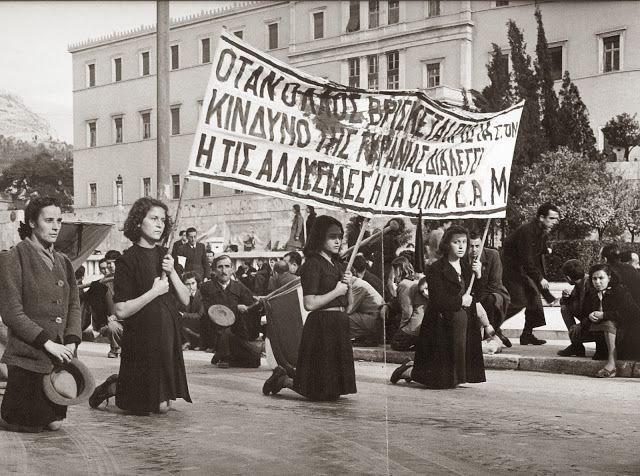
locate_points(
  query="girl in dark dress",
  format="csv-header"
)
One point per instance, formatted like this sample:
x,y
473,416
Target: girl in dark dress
x,y
40,306
147,290
325,367
449,347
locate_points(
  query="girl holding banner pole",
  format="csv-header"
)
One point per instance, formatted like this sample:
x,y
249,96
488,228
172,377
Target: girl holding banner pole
x,y
449,347
325,369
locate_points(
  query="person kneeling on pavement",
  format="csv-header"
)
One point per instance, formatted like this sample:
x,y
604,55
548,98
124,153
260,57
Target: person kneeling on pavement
x,y
365,324
236,345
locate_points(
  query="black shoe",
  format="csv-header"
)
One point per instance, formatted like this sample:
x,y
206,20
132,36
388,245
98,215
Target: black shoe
x,y
215,359
291,370
526,339
505,340
577,350
407,363
223,364
275,383
101,393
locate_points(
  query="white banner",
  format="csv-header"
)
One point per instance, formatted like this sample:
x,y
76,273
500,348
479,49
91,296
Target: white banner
x,y
268,128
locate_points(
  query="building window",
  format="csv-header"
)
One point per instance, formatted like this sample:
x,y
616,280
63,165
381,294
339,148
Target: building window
x,y
373,67
354,72
206,189
434,8
93,194
175,121
354,16
175,57
394,12
144,63
374,13
611,58
146,187
205,46
273,36
239,34
117,130
318,25
393,70
91,75
175,186
433,75
146,125
503,67
117,69
502,3
92,139
555,54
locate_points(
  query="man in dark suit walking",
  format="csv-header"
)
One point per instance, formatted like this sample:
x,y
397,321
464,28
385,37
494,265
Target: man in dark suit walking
x,y
196,255
181,241
525,275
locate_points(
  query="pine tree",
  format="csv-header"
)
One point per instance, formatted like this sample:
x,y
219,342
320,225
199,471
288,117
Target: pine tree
x,y
576,132
548,98
531,139
498,95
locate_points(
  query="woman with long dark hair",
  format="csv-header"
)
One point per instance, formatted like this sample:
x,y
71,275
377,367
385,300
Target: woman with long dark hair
x,y
39,304
449,347
147,291
325,367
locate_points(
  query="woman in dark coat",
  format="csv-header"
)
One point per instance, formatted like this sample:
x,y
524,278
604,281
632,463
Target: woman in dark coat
x,y
608,308
449,348
325,367
39,304
261,282
147,291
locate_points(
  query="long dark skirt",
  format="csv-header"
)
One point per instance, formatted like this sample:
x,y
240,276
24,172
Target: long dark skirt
x,y
325,367
24,402
449,350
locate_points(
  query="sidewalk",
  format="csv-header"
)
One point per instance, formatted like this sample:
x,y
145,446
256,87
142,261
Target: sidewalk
x,y
538,358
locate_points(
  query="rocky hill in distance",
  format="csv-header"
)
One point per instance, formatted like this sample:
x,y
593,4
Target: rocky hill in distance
x,y
19,122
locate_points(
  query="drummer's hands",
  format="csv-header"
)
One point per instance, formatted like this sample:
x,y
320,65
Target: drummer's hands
x,y
61,352
160,286
167,264
242,308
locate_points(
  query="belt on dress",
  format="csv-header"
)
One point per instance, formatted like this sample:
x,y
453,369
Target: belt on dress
x,y
333,309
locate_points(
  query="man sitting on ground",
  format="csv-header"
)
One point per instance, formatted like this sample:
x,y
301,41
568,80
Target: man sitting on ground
x,y
294,260
281,276
100,299
236,344
360,271
571,305
192,314
365,323
630,257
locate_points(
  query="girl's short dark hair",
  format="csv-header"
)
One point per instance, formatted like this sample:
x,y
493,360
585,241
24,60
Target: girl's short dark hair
x,y
317,239
404,267
138,212
32,212
191,275
613,277
443,249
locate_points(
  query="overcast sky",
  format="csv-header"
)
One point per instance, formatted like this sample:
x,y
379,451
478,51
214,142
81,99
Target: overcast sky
x,y
34,61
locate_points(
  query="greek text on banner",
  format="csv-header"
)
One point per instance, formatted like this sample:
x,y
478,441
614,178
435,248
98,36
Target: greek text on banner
x,y
268,128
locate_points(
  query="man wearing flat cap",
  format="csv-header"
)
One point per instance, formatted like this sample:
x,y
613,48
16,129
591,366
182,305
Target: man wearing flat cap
x,y
235,345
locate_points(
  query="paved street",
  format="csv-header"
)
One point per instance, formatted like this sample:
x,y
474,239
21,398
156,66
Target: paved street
x,y
522,422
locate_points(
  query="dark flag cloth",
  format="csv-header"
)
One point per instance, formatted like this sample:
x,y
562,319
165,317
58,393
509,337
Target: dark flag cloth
x,y
418,256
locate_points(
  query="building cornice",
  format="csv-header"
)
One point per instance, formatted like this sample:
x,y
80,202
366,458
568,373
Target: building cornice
x,y
181,22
